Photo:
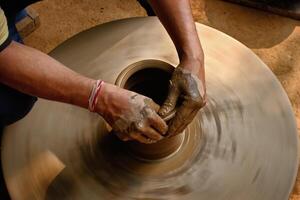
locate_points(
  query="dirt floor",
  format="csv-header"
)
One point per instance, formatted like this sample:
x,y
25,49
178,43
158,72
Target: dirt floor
x,y
275,39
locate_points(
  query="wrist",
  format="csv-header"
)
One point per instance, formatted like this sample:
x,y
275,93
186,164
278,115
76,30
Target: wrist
x,y
191,52
192,60
103,99
80,93
195,66
94,95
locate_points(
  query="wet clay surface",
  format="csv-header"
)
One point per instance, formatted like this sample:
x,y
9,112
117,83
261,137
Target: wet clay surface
x,y
186,91
276,40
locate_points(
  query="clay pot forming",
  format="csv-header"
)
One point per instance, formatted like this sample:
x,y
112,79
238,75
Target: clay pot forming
x,y
151,78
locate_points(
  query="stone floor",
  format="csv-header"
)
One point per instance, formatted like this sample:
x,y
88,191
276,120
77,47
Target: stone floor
x,y
275,39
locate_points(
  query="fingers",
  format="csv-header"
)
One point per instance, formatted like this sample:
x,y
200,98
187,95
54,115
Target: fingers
x,y
136,136
181,126
142,138
158,124
170,102
147,131
153,126
184,115
123,137
144,133
152,134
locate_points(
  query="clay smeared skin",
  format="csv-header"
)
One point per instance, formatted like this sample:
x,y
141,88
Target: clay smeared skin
x,y
178,20
187,86
132,116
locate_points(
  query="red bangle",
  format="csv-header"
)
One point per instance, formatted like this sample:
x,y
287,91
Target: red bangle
x,y
93,99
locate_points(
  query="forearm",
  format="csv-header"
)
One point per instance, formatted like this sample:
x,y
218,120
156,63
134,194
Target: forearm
x,y
36,73
176,16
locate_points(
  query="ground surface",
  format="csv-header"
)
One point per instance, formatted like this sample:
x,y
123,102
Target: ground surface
x,y
275,39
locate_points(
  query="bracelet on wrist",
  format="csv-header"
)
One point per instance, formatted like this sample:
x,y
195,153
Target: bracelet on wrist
x,y
93,99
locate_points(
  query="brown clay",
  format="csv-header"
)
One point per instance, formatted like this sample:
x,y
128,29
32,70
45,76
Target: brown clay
x,y
189,89
151,78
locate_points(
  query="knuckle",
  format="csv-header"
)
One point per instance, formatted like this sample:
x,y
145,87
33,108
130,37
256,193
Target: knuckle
x,y
197,102
150,113
139,125
155,120
153,117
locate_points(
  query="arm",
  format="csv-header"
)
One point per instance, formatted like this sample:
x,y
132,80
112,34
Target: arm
x,y
33,72
176,16
133,116
188,79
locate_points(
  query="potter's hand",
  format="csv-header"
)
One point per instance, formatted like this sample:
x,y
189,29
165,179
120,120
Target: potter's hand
x,y
187,82
131,115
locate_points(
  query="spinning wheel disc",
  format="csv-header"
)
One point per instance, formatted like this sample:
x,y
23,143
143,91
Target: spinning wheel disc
x,y
241,146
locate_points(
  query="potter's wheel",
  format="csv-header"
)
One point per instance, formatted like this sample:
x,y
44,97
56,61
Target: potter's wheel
x,y
241,146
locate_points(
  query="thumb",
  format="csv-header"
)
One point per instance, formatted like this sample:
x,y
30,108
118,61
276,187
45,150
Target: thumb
x,y
170,102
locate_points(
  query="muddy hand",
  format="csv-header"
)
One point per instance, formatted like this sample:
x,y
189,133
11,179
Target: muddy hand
x,y
191,89
131,115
